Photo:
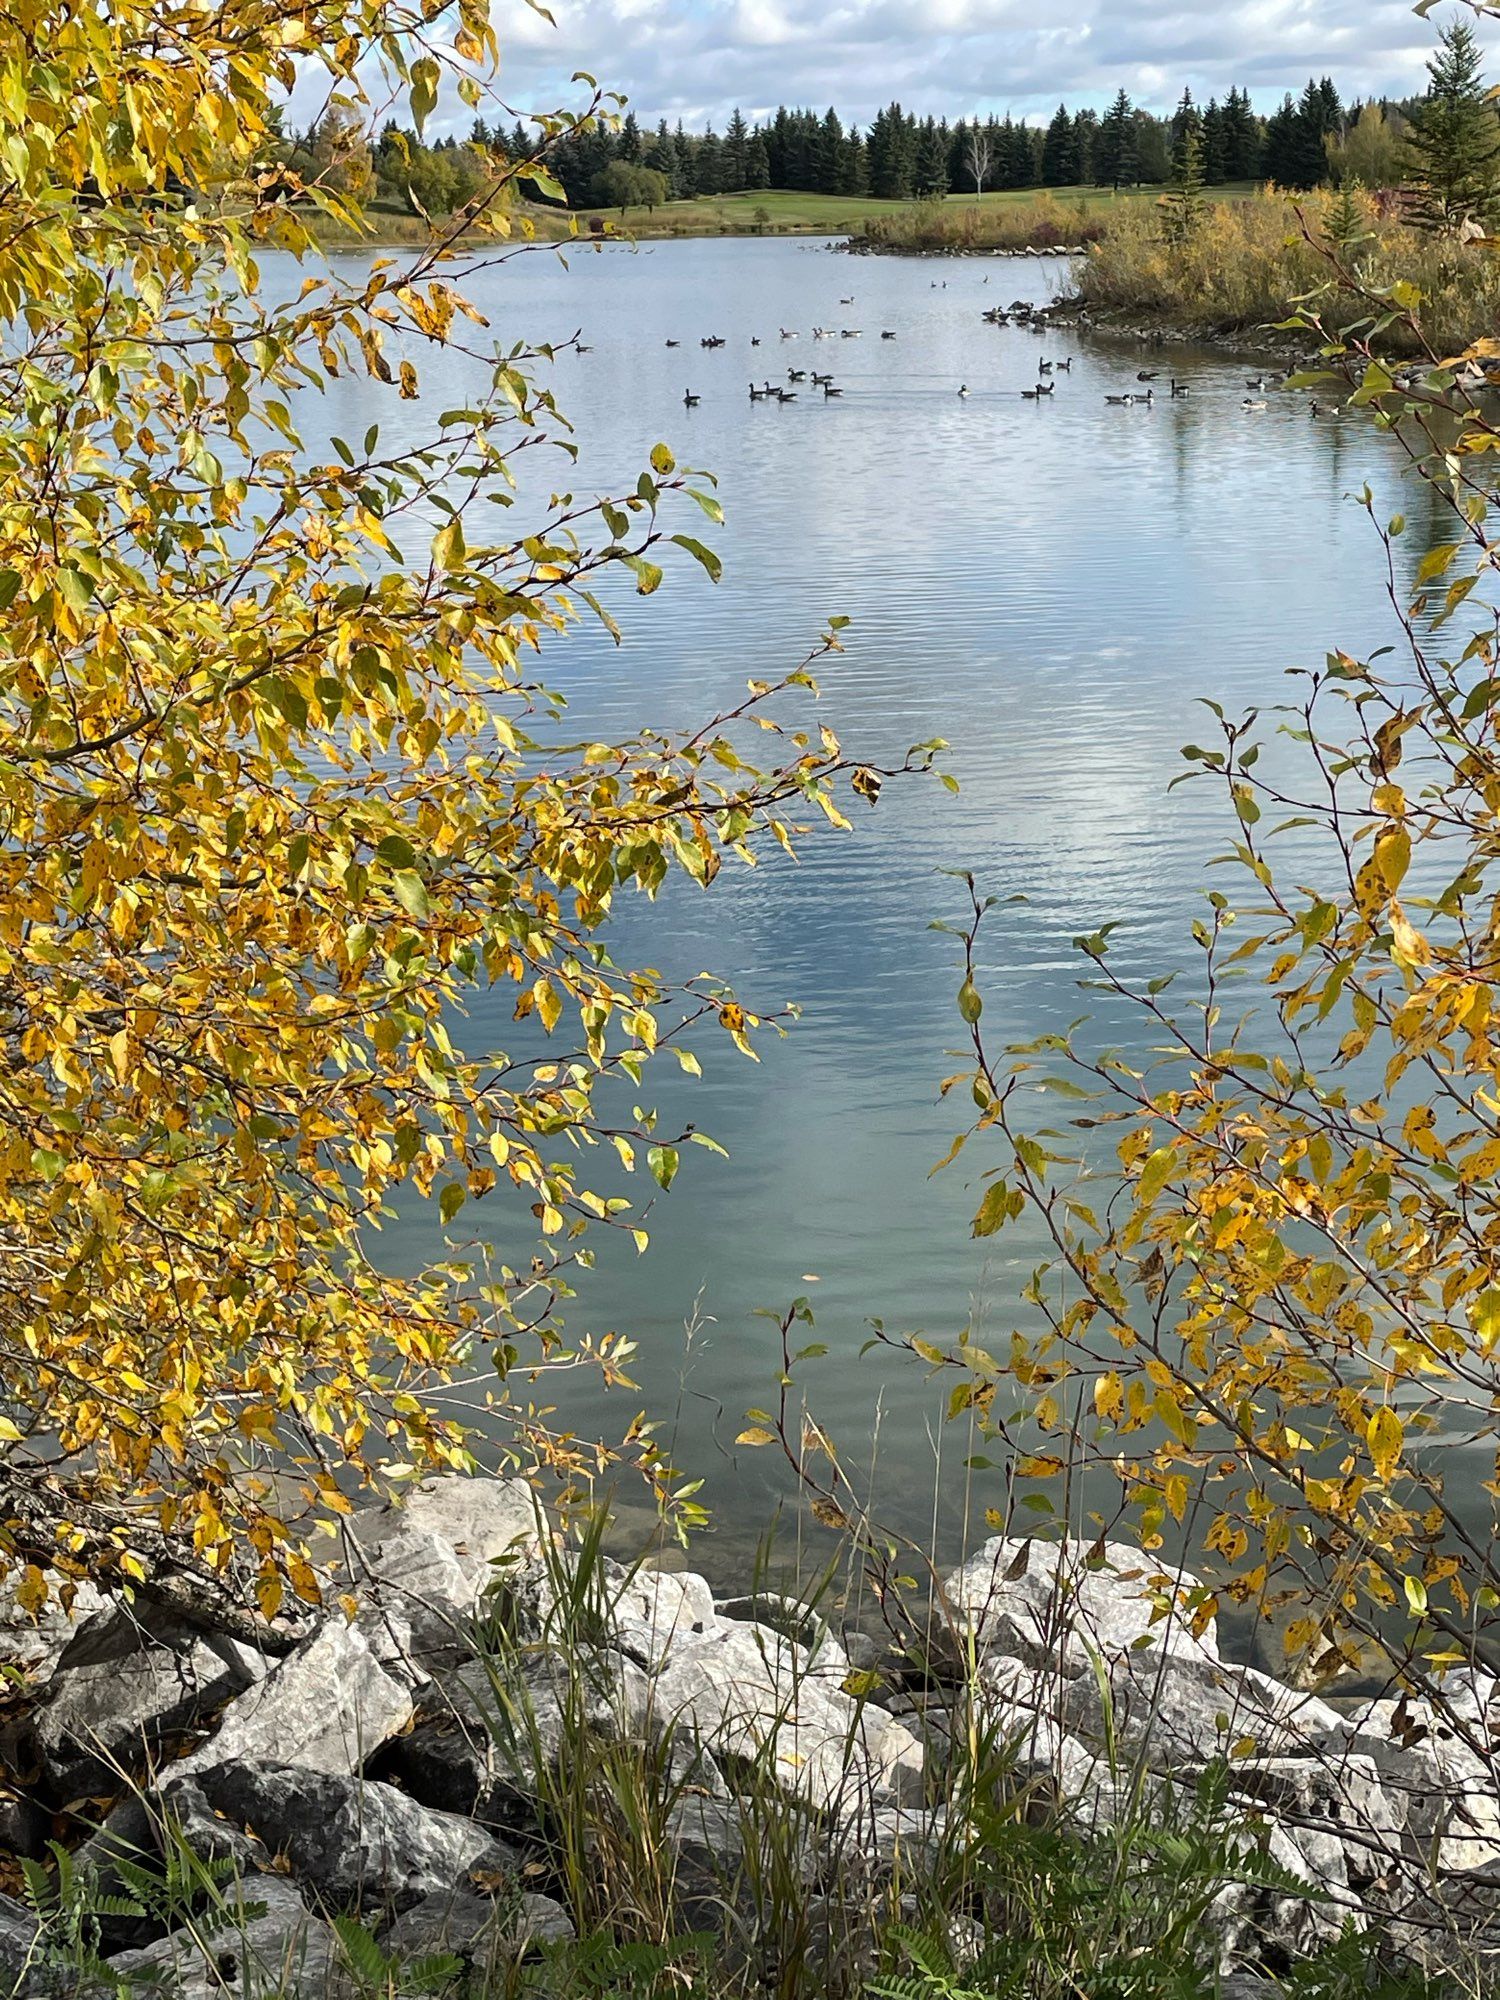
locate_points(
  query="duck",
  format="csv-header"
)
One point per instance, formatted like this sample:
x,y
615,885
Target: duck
x,y
690,401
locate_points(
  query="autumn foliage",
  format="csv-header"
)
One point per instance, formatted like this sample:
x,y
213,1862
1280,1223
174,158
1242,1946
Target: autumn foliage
x,y
273,807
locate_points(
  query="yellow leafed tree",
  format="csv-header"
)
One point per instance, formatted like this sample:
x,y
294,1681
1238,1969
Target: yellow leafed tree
x,y
272,805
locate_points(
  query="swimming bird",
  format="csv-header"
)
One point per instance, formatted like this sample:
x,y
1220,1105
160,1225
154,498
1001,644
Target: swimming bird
x,y
1065,367
786,395
796,374
829,390
888,335
1046,388
755,340
1179,388
787,333
1255,381
1148,399
1045,367
759,395
847,302
674,343
691,401
1117,399
1249,405
1148,375
963,388
821,381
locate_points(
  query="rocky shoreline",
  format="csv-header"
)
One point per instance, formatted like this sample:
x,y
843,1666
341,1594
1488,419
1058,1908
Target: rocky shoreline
x,y
398,1765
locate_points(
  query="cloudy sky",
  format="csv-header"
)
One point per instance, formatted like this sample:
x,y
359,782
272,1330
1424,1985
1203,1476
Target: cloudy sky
x,y
697,58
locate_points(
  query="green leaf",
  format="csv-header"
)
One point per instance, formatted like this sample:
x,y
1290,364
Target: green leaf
x,y
662,1160
397,852
451,1200
970,1002
411,893
700,554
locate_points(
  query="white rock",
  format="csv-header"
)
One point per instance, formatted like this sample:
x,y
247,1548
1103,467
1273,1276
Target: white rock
x,y
1046,1602
326,1707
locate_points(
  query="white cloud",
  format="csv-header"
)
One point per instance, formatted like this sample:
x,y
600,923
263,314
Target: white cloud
x,y
697,58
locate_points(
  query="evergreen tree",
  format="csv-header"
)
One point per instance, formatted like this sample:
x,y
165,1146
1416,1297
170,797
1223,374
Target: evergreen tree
x,y
736,153
828,154
1453,144
854,167
1187,137
758,162
1185,202
1060,152
1279,155
629,146
932,161
1153,149
710,162
1242,138
687,162
1114,162
893,155
1215,145
1085,138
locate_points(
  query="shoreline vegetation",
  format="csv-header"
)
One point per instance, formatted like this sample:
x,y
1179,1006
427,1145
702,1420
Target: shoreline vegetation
x,y
1225,274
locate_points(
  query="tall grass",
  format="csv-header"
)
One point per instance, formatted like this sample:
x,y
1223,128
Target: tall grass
x,y
1237,267
957,227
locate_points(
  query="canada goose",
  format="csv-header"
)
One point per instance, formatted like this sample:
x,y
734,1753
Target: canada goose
x,y
1044,367
755,340
787,333
1255,381
852,333
758,395
821,381
690,401
1065,367
1046,388
1249,405
1117,399
796,374
786,395
1179,388
829,390
887,335
963,388
1148,374
1148,399
1032,395
581,349
847,302
674,343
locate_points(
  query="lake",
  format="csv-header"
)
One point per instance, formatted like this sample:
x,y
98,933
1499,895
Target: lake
x,y
1050,586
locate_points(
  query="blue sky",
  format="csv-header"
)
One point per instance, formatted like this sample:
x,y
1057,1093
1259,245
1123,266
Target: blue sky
x,y
697,58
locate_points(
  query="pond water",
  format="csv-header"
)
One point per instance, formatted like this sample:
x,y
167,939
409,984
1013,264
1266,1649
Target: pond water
x,y
1050,586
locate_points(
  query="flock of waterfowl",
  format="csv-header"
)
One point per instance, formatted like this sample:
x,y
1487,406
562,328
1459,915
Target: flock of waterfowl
x,y
1020,313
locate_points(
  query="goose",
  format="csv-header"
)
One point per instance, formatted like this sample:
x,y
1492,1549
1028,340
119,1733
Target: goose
x,y
1249,405
690,401
888,335
796,374
1044,367
1255,381
829,390
820,381
852,333
1065,367
1179,388
963,388
1032,395
581,349
787,333
847,302
1148,399
755,340
1046,388
1148,375
674,343
758,395
1117,399
786,395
